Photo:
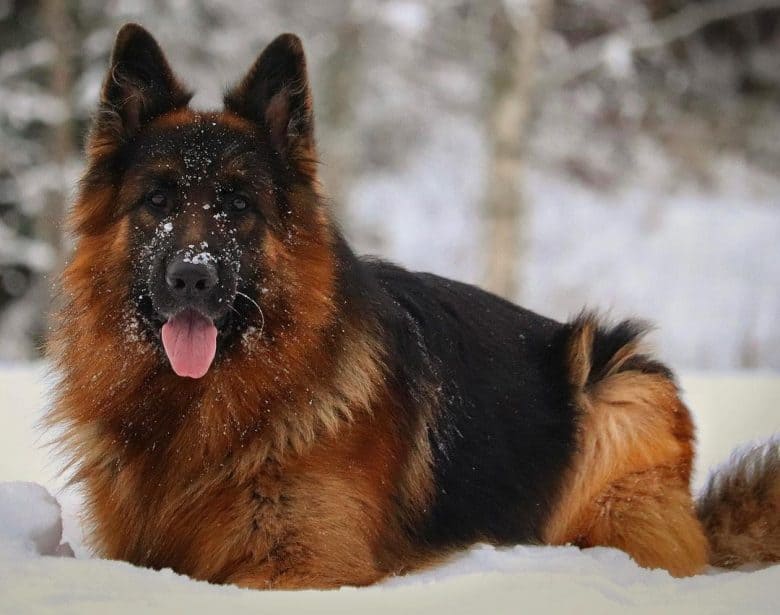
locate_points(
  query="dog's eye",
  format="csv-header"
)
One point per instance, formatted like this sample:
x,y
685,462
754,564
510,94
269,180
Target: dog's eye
x,y
157,199
236,203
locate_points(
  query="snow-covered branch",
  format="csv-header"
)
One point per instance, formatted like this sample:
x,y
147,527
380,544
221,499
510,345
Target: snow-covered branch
x,y
646,35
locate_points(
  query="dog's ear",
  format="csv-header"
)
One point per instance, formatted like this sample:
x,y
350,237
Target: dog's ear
x,y
139,86
275,94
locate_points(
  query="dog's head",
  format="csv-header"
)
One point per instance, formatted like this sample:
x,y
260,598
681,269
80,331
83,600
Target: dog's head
x,y
207,226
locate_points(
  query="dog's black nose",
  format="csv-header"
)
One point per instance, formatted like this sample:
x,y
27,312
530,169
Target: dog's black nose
x,y
189,278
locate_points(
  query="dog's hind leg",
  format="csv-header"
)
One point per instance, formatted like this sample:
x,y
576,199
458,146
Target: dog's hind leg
x,y
650,515
628,482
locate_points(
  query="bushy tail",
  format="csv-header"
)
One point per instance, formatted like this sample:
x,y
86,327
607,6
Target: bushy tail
x,y
740,508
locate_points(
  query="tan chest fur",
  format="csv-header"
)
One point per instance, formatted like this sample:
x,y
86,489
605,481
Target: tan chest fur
x,y
322,518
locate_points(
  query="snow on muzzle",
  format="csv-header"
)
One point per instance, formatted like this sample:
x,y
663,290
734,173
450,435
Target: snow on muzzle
x,y
189,337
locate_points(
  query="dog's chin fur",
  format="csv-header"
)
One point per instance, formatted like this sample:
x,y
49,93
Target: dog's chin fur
x,y
359,420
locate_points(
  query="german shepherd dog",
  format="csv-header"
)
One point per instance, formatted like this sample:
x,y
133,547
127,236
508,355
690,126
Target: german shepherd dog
x,y
244,400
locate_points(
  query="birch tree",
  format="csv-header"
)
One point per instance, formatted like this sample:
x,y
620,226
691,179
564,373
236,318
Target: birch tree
x,y
517,29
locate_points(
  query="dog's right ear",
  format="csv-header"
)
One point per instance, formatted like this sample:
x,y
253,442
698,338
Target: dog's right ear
x,y
139,86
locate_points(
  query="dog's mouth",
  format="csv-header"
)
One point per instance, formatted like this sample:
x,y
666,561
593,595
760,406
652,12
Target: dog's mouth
x,y
190,342
192,336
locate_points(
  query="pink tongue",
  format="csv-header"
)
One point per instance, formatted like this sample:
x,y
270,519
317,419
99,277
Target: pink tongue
x,y
190,341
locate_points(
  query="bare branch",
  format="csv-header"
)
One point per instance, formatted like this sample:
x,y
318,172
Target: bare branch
x,y
647,35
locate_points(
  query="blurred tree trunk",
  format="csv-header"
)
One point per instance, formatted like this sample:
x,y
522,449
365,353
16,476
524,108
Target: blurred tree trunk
x,y
341,77
59,28
517,30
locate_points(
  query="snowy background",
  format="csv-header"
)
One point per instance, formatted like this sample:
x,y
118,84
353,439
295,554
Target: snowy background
x,y
643,138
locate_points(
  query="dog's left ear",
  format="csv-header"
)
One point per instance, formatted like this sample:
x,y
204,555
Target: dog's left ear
x,y
275,94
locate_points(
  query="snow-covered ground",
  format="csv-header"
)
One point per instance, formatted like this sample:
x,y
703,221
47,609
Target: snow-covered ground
x,y
36,574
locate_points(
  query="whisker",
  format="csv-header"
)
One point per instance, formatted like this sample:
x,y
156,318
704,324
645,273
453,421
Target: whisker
x,y
247,297
259,309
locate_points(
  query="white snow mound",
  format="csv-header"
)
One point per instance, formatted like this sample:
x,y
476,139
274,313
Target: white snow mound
x,y
30,520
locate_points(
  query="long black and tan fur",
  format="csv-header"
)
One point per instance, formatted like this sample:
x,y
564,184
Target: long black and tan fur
x,y
358,420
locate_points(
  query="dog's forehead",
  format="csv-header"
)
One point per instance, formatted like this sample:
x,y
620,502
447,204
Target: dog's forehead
x,y
196,146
